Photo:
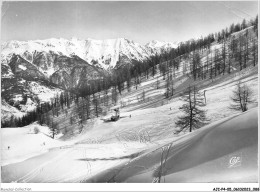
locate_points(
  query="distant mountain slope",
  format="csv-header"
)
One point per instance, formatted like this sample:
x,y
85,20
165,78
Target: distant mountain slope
x,y
104,53
22,68
24,84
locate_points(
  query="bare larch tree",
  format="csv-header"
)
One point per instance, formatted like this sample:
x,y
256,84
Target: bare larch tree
x,y
242,96
194,117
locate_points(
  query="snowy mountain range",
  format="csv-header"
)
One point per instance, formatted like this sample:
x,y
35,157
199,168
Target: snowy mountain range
x,y
103,53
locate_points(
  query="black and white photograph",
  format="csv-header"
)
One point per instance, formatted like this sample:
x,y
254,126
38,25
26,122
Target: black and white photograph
x,y
129,92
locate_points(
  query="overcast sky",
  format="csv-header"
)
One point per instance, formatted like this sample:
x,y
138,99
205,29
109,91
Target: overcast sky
x,y
138,21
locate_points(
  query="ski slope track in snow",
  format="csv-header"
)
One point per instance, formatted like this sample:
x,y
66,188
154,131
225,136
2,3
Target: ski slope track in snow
x,y
202,156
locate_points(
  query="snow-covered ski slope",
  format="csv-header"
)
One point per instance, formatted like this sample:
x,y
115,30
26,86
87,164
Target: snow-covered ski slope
x,y
206,155
104,148
24,143
202,156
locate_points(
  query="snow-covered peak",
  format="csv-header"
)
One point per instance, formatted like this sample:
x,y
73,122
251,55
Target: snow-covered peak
x,y
154,43
161,44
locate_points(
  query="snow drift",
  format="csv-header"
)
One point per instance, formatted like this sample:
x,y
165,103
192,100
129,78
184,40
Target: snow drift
x,y
205,155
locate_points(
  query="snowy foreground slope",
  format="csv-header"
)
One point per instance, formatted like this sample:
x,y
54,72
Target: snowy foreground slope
x,y
24,143
202,156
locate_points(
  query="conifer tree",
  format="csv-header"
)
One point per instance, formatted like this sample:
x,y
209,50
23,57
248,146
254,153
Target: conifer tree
x,y
194,117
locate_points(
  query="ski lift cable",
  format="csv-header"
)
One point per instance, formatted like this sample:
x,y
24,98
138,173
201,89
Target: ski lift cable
x,y
235,11
231,10
4,7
